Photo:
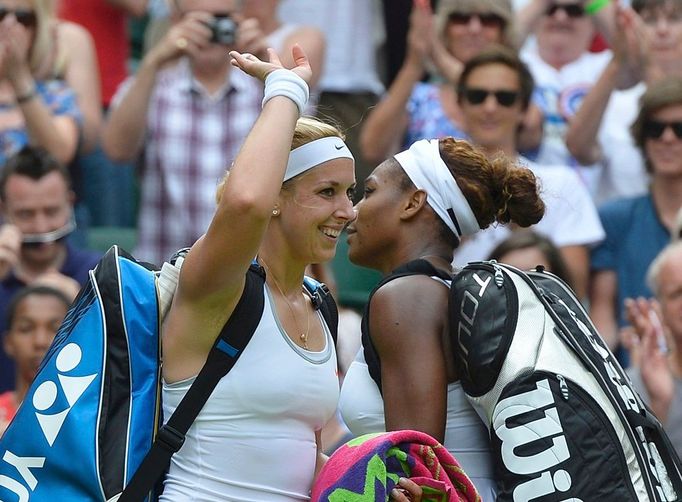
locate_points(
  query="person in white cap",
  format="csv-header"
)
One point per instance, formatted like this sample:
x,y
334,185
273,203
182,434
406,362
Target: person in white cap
x,y
416,209
286,200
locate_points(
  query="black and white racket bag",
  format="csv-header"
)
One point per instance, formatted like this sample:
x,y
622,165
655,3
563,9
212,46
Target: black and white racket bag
x,y
564,420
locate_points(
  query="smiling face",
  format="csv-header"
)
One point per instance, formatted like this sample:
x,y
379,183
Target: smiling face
x,y
664,153
372,236
315,208
493,122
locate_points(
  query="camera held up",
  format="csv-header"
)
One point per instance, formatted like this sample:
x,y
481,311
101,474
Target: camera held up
x,y
223,29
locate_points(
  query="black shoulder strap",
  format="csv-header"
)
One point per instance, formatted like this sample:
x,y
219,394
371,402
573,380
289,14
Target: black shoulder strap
x,y
324,302
414,267
229,345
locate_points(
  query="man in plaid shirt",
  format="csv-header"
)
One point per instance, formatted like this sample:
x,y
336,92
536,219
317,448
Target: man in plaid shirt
x,y
189,112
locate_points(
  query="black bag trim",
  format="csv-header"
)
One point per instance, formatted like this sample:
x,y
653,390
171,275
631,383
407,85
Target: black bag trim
x,y
414,267
669,456
116,386
506,331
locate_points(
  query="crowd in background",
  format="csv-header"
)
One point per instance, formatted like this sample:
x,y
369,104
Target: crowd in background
x,y
126,113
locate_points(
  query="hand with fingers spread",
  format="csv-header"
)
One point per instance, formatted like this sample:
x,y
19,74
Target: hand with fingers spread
x,y
253,66
10,248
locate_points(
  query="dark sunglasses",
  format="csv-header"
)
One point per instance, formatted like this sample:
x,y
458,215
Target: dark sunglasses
x,y
654,129
487,20
25,17
478,96
573,10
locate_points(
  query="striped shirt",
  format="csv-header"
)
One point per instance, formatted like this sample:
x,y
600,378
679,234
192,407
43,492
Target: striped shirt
x,y
192,138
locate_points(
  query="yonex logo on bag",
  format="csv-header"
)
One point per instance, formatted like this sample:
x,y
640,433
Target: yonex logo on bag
x,y
44,397
548,426
73,387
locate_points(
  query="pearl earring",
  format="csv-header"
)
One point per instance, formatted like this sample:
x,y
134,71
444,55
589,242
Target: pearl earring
x,y
275,212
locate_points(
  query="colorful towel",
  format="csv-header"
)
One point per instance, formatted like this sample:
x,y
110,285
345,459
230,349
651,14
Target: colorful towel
x,y
367,468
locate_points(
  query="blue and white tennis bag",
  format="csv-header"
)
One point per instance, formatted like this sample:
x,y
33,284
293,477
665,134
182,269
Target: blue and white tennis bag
x,y
564,420
92,411
90,427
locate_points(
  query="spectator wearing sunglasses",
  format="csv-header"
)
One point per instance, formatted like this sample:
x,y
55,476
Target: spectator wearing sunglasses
x,y
494,92
412,110
649,45
638,228
35,108
563,68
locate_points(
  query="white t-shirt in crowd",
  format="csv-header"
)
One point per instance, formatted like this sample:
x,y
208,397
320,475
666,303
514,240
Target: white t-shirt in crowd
x,y
623,173
570,218
354,29
559,93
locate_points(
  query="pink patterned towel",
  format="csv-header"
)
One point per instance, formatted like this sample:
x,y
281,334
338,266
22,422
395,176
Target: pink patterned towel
x,y
367,468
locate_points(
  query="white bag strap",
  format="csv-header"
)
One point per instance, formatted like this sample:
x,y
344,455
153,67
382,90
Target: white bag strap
x,y
167,284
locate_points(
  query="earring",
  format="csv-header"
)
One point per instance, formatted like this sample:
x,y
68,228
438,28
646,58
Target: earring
x,y
275,212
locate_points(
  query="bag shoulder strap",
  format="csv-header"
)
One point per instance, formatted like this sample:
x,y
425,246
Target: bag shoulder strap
x,y
414,267
324,302
229,345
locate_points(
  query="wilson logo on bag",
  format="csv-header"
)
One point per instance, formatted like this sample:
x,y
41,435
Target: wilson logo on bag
x,y
564,418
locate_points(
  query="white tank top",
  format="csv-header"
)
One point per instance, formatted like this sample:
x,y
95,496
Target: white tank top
x,y
466,436
254,440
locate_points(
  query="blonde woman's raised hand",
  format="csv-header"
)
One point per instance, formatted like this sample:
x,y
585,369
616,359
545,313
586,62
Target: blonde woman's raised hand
x,y
253,66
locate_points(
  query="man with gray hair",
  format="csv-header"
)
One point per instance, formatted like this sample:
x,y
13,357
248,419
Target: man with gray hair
x,y
657,322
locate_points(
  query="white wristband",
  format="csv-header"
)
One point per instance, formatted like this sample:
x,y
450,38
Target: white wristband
x,y
286,83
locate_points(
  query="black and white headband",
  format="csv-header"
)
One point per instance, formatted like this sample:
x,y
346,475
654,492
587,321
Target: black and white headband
x,y
313,154
425,168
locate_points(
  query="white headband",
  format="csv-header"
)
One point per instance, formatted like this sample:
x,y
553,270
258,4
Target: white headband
x,y
315,153
423,165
